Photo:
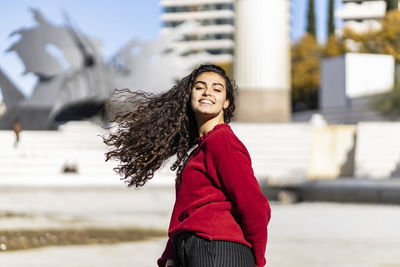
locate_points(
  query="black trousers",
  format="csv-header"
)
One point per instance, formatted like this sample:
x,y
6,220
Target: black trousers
x,y
193,251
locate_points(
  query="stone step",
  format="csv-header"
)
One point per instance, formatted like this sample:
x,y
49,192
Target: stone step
x,y
378,149
276,150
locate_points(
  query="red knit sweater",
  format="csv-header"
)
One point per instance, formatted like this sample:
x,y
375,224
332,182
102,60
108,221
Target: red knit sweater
x,y
218,197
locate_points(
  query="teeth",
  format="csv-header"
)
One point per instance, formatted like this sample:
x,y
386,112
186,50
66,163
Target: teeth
x,y
206,101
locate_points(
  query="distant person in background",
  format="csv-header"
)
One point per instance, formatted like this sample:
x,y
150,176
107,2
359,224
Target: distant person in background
x,y
220,215
17,130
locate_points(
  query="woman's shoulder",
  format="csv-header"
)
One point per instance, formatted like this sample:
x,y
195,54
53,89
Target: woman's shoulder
x,y
224,144
222,136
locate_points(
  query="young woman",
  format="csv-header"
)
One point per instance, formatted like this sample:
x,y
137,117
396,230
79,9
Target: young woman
x,y
220,215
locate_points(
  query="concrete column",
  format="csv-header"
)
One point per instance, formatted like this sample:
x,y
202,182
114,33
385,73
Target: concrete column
x,y
262,60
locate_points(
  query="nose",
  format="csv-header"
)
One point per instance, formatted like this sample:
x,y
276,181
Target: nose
x,y
207,91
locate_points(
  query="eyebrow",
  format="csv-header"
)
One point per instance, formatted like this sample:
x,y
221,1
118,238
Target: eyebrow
x,y
212,84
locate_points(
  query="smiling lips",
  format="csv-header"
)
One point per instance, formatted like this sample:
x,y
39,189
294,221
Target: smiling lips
x,y
206,101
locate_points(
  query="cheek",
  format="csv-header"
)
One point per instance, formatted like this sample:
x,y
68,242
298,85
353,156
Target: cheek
x,y
223,100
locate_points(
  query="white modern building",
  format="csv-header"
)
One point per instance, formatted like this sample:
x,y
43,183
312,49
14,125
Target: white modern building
x,y
362,15
251,34
350,84
214,33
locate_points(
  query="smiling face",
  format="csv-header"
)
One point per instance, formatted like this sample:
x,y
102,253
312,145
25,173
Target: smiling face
x,y
208,97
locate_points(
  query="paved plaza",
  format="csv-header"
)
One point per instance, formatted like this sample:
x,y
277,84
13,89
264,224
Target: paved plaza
x,y
303,234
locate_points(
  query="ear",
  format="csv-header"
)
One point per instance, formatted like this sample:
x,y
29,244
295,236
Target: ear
x,y
226,103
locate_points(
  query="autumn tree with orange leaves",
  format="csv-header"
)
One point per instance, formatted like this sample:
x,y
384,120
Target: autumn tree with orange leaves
x,y
306,54
380,41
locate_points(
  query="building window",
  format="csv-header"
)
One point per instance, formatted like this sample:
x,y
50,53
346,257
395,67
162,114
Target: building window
x,y
194,8
219,51
222,21
172,24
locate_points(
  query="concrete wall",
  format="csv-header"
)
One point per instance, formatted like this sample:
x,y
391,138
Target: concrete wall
x,y
377,153
333,85
352,76
332,151
349,85
368,74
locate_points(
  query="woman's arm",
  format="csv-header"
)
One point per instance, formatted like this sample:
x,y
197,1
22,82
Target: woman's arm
x,y
233,167
167,255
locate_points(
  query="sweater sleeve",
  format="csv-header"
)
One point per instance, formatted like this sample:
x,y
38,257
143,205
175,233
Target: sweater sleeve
x,y
233,167
167,254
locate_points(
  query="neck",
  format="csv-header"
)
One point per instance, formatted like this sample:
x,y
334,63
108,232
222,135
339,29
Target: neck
x,y
207,125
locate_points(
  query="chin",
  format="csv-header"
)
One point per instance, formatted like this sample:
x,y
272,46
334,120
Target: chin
x,y
207,115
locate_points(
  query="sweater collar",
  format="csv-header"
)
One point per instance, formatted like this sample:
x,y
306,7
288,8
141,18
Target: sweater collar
x,y
216,127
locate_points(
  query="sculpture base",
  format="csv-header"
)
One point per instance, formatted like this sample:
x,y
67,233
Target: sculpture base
x,y
263,106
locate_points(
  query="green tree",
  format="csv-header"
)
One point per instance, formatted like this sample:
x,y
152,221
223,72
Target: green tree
x,y
311,18
331,22
391,5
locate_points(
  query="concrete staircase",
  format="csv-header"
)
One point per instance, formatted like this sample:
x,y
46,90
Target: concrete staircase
x,y
40,156
357,110
377,153
279,152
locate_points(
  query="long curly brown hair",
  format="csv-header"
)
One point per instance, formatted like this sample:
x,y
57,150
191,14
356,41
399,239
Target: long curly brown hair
x,y
149,129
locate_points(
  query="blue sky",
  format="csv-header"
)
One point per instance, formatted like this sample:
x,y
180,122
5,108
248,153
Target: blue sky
x,y
299,15
113,22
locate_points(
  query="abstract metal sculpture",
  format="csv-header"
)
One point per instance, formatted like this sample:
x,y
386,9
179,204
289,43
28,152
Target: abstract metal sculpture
x,y
74,80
